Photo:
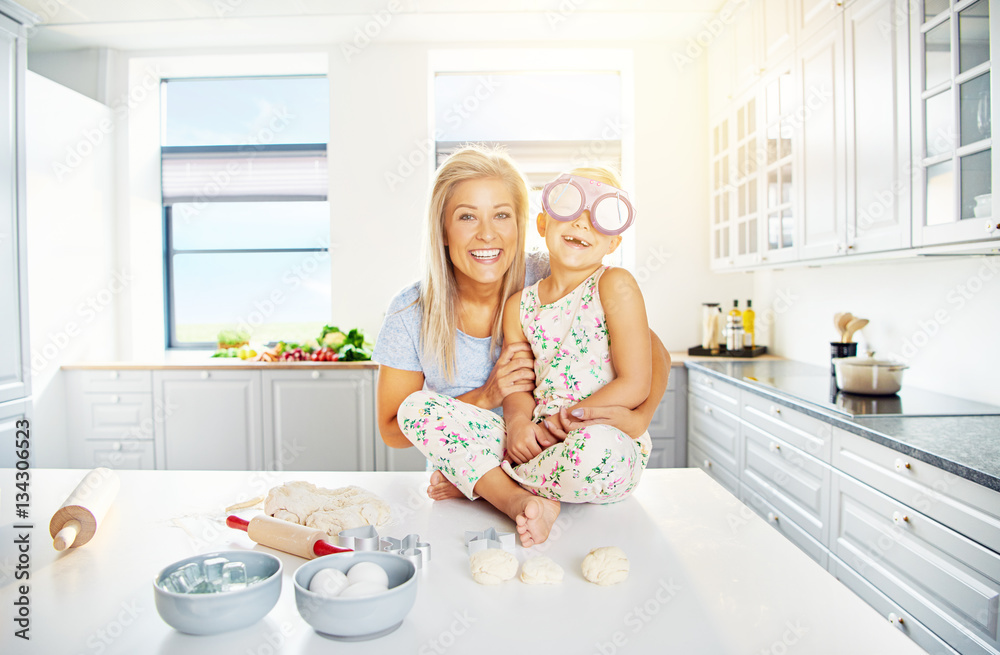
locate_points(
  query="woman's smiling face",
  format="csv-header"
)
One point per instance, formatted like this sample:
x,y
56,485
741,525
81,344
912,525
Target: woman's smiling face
x,y
480,230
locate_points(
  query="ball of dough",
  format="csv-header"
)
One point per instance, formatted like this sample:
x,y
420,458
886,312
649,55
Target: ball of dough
x,y
541,570
328,582
492,566
368,572
359,589
605,566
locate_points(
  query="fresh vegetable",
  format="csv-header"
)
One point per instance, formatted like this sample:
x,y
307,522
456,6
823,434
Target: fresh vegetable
x,y
232,338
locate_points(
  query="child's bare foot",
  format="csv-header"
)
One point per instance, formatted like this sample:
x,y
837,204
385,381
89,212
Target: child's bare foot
x,y
441,488
535,519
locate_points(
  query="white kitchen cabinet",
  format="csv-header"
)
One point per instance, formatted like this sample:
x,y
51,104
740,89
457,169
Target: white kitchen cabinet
x,y
210,420
746,154
12,415
319,420
822,175
721,195
952,87
668,428
110,419
747,67
713,429
947,582
813,16
878,125
779,137
15,378
776,21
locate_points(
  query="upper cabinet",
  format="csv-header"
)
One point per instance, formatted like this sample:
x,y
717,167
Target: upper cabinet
x,y
14,356
951,89
871,130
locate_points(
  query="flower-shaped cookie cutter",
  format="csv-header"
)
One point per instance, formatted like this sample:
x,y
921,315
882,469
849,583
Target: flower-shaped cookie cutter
x,y
366,538
476,541
410,547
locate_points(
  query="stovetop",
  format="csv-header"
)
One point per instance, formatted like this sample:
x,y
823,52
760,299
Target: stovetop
x,y
815,385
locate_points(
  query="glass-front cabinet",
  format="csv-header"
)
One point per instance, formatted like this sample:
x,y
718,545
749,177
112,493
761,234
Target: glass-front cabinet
x,y
952,88
746,182
776,164
721,196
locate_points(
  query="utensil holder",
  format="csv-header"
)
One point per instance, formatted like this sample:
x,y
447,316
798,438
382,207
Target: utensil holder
x,y
839,350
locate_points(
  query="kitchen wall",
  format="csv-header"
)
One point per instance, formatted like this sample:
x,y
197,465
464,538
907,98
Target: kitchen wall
x,y
940,315
73,283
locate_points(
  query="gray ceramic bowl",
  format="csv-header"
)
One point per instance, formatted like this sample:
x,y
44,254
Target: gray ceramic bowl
x,y
366,617
208,614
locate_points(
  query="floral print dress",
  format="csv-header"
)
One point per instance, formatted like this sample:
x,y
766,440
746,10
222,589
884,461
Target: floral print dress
x,y
570,342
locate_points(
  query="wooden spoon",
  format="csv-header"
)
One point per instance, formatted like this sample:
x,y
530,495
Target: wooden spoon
x,y
842,319
853,327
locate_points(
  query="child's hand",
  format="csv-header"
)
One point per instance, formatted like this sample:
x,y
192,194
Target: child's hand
x,y
525,440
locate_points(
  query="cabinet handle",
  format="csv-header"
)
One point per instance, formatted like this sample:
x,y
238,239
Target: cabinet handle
x,y
708,410
896,620
315,375
773,447
115,399
899,518
775,410
707,464
901,465
772,517
710,384
204,375
116,445
990,226
114,375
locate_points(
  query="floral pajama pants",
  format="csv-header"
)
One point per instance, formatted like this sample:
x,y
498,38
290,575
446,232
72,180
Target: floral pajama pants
x,y
596,464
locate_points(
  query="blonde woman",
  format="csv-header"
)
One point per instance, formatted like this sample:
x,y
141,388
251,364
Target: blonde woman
x,y
444,334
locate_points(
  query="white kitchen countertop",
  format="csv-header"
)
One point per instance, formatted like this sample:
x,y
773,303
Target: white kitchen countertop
x,y
708,576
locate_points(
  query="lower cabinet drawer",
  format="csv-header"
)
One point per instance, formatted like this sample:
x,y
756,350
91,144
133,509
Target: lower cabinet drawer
x,y
946,581
796,484
792,531
116,416
132,455
716,432
662,455
892,612
698,459
801,430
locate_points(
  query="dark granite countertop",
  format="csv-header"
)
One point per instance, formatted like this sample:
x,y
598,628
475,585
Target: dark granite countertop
x,y
964,438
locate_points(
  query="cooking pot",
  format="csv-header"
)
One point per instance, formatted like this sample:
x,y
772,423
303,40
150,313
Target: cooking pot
x,y
867,375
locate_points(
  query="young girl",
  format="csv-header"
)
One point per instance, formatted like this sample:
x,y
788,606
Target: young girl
x,y
586,324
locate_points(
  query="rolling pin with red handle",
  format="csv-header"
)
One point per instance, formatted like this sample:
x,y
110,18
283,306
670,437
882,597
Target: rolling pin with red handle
x,y
76,522
284,536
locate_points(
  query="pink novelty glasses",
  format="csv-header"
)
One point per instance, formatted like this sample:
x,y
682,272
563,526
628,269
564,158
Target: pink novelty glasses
x,y
566,197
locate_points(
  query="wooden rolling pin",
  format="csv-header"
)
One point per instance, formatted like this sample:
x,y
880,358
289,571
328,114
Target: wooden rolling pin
x,y
76,522
284,536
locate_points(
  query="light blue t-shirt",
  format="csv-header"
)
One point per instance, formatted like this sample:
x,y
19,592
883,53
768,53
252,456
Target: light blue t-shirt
x,y
398,342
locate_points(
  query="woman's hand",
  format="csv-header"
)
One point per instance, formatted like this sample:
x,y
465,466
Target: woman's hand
x,y
514,371
629,421
526,440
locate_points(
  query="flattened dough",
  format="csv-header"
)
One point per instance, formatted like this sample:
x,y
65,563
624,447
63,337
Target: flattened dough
x,y
605,566
541,570
330,510
492,566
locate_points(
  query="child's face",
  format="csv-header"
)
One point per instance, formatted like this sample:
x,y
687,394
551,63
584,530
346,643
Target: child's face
x,y
575,244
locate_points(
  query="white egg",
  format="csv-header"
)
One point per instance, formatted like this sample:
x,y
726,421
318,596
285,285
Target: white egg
x,y
368,572
363,589
328,582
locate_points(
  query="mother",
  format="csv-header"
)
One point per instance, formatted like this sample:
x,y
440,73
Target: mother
x,y
443,333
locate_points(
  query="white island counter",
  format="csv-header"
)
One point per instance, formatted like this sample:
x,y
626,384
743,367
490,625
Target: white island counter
x,y
708,576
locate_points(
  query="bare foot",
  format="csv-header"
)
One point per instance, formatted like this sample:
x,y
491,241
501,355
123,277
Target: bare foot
x,y
536,519
441,488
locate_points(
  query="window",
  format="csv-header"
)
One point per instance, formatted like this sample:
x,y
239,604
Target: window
x,y
538,117
245,214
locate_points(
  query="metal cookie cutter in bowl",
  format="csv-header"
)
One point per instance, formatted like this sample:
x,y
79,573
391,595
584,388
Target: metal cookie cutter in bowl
x,y
488,538
366,538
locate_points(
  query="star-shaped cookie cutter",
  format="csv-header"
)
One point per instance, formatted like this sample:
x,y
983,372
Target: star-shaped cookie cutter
x,y
366,538
488,538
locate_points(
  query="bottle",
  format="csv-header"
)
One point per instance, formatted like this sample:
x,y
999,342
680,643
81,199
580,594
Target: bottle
x,y
734,328
709,326
748,316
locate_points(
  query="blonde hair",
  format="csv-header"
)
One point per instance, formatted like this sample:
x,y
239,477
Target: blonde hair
x,y
438,291
601,172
